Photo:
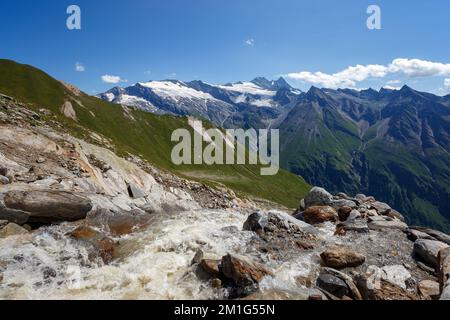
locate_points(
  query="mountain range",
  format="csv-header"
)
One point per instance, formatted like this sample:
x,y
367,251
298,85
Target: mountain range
x,y
392,144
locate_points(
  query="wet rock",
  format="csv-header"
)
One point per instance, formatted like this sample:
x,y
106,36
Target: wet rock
x,y
319,214
318,197
105,249
119,223
344,213
102,246
256,222
211,267
216,283
243,271
333,285
47,206
428,251
198,257
342,257
4,180
429,289
12,229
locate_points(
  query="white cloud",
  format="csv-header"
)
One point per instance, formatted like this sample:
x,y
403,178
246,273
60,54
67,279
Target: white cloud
x,y
352,75
419,68
348,77
111,79
250,42
447,84
79,67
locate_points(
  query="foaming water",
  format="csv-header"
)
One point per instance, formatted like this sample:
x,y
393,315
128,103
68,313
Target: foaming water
x,y
152,264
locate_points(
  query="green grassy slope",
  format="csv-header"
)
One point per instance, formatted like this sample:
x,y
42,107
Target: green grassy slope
x,y
142,134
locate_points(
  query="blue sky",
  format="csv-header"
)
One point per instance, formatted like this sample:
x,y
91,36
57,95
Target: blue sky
x,y
227,41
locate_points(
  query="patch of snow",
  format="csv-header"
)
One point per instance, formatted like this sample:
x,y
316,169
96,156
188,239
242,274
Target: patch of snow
x,y
176,90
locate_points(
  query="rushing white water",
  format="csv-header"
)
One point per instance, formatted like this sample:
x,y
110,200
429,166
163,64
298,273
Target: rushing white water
x,y
153,264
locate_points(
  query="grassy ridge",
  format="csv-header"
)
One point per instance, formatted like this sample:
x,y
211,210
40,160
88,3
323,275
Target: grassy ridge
x,y
141,133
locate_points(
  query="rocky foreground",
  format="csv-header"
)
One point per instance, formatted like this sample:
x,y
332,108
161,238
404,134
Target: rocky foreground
x,y
79,222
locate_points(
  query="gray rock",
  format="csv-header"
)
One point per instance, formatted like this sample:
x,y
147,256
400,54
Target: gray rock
x,y
3,171
4,180
343,203
428,250
445,295
135,192
444,267
302,205
347,279
414,235
438,235
381,207
259,222
379,224
333,285
358,225
40,160
45,206
355,214
318,197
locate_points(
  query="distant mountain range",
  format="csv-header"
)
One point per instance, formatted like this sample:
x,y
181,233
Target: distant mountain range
x,y
392,144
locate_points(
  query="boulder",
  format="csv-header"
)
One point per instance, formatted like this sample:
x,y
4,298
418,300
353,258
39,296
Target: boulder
x,y
428,251
344,213
319,214
4,180
355,294
12,229
381,207
46,206
275,220
333,285
429,289
336,204
211,267
243,271
342,257
318,197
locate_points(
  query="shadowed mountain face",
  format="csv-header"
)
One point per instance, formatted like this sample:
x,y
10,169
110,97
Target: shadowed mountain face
x,y
391,144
